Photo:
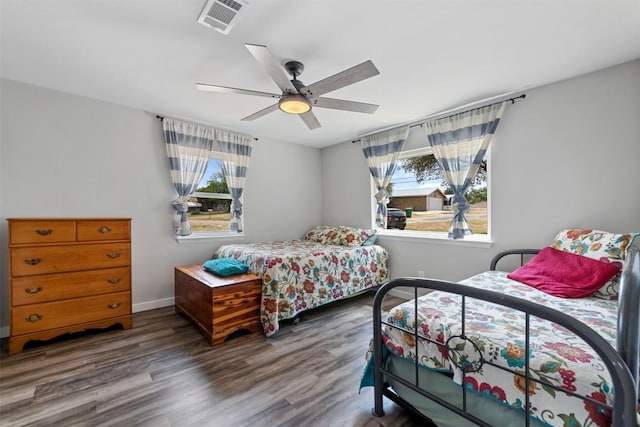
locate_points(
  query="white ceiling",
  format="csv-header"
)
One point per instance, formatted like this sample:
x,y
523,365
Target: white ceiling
x,y
432,55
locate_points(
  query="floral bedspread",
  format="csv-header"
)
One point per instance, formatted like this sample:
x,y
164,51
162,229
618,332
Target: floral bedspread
x,y
298,275
557,356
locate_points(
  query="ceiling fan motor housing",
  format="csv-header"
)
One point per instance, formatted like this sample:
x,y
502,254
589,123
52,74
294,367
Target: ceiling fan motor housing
x,y
295,68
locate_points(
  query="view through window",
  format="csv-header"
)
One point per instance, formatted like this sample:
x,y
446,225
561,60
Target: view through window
x,y
420,198
210,205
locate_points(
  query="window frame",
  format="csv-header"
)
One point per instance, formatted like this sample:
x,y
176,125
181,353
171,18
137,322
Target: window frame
x,y
475,240
204,236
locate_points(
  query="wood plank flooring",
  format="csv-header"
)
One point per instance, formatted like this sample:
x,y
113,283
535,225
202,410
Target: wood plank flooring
x,y
163,373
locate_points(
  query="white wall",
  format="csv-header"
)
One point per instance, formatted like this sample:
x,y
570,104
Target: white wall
x,y
67,156
566,156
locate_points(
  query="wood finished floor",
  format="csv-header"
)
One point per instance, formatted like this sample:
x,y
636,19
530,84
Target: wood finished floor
x,y
162,373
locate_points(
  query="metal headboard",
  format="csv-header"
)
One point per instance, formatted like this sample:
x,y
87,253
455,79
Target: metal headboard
x,y
628,341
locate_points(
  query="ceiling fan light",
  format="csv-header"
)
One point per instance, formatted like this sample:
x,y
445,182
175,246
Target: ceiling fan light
x,y
294,104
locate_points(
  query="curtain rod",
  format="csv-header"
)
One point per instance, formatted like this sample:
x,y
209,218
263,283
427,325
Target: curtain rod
x,y
513,101
161,118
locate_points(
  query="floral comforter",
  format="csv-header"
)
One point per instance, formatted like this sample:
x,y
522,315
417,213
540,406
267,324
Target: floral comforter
x,y
557,356
298,275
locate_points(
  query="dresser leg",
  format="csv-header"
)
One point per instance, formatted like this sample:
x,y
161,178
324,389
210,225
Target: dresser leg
x,y
16,345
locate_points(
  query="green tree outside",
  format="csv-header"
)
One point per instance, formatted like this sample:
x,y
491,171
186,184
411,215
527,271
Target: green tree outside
x,y
426,168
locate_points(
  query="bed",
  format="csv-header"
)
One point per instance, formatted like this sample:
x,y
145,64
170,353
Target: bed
x,y
328,264
494,351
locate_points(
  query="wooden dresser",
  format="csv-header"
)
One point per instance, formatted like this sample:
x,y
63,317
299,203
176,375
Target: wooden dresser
x,y
219,306
67,275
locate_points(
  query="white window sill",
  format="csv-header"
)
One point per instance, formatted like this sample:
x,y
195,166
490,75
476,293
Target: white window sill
x,y
209,237
477,241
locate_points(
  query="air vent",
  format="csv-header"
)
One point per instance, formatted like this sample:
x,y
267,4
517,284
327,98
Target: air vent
x,y
221,15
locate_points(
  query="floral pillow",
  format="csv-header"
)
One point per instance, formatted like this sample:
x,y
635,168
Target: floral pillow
x,y
600,245
323,234
344,236
354,236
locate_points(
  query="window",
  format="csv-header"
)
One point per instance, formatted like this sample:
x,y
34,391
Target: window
x,y
210,205
420,194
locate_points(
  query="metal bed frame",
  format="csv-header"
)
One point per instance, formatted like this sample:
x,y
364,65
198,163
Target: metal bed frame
x,y
622,363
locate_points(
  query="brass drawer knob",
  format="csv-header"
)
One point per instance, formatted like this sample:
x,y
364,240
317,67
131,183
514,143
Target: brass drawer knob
x,y
114,280
44,232
33,261
113,255
104,230
114,305
34,318
33,290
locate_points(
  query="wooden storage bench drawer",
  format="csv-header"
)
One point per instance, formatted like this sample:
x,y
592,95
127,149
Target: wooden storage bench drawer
x,y
218,305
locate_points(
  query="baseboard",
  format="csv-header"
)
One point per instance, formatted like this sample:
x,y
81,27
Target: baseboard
x,y
150,305
408,295
401,293
4,332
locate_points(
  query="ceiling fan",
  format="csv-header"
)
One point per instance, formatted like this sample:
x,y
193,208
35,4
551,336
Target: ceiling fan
x,y
296,98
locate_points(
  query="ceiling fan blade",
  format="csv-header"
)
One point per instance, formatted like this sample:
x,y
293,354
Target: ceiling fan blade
x,y
225,89
261,113
272,67
340,104
344,78
310,120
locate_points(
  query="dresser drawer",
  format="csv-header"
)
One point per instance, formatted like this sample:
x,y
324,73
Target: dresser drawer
x,y
46,231
58,259
53,287
39,317
109,229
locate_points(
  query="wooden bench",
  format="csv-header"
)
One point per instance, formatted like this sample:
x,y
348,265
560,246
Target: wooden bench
x,y
219,306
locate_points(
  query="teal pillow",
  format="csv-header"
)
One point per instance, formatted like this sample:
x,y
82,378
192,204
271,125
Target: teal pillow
x,y
371,240
225,266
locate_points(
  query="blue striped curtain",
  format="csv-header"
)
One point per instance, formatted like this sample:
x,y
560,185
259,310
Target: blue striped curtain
x,y
189,147
235,151
382,151
460,143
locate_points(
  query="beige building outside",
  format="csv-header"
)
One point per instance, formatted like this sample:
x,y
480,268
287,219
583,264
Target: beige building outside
x,y
419,199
